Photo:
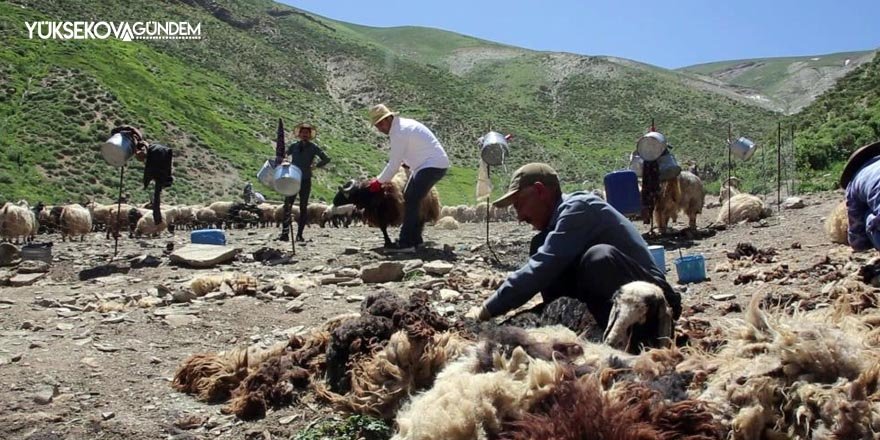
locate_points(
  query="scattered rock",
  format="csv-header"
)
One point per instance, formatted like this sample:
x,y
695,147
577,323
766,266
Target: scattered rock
x,y
295,306
64,326
90,362
106,348
723,296
203,255
449,295
334,280
175,321
142,261
350,251
9,253
45,394
288,419
351,283
102,271
793,203
25,279
294,287
437,267
412,265
108,415
354,298
33,266
347,272
183,295
382,272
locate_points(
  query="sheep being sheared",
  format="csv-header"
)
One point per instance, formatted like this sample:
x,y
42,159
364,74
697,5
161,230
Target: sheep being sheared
x,y
636,304
385,208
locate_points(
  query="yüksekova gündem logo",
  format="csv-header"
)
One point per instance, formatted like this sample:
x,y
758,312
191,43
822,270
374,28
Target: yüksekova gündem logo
x,y
122,30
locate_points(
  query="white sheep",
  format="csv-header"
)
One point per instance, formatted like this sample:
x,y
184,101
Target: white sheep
x,y
837,224
447,223
72,220
17,222
692,196
742,207
638,302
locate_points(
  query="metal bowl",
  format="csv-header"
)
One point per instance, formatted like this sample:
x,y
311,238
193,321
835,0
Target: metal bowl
x,y
651,146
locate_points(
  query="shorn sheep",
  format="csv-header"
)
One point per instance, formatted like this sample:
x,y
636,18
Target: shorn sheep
x,y
742,207
73,220
837,223
385,208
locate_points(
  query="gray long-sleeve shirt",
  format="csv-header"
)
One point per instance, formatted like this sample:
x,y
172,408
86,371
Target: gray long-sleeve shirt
x,y
580,221
303,154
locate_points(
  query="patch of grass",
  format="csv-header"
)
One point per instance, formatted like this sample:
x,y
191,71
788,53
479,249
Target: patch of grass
x,y
353,427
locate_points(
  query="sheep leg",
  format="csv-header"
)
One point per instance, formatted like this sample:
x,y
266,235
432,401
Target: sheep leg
x,y
692,221
385,235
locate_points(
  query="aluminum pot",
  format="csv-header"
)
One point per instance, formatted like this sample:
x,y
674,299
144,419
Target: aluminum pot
x,y
118,149
266,175
651,146
288,178
493,148
742,148
669,168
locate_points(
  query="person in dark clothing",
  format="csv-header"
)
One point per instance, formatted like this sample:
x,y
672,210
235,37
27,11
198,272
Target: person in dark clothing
x,y
585,249
302,154
157,161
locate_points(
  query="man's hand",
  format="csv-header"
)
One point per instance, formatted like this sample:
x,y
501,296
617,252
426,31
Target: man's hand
x,y
375,186
478,313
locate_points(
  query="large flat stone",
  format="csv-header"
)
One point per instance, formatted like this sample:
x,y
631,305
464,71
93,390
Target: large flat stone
x,y
25,279
382,272
9,253
203,255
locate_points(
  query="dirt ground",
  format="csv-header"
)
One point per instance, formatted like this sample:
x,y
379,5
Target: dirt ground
x,y
94,359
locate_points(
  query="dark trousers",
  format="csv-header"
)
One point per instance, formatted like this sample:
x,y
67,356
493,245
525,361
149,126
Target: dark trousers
x,y
417,188
597,275
305,190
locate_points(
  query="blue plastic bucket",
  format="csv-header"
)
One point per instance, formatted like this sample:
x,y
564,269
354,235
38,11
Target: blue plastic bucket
x,y
690,268
658,253
208,236
622,192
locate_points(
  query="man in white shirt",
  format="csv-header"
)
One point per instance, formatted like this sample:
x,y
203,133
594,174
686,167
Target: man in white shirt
x,y
416,146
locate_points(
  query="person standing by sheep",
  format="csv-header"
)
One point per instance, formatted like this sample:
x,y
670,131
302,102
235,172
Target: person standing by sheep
x,y
157,161
585,249
302,154
414,145
861,181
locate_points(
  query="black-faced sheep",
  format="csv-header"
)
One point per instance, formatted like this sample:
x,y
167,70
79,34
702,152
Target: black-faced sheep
x,y
385,208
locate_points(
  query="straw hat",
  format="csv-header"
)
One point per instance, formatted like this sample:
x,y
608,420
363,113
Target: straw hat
x,y
379,112
312,130
856,161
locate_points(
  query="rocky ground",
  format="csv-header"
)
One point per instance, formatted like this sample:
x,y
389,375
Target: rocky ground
x,y
95,358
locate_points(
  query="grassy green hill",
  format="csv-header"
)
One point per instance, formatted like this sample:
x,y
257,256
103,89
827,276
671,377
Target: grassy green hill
x,y
789,83
217,100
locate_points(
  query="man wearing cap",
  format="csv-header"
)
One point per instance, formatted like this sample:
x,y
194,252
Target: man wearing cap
x,y
585,250
414,145
861,180
302,154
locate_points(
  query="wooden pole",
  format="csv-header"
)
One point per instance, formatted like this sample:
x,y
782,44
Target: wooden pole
x,y
779,166
118,208
729,166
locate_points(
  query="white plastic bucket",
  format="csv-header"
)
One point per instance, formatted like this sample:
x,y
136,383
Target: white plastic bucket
x,y
266,175
288,178
117,150
743,148
658,253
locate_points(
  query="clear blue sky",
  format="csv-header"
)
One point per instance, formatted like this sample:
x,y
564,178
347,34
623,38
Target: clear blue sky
x,y
666,33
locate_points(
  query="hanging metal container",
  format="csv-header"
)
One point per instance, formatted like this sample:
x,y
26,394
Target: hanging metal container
x,y
493,148
743,148
651,146
288,178
118,149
